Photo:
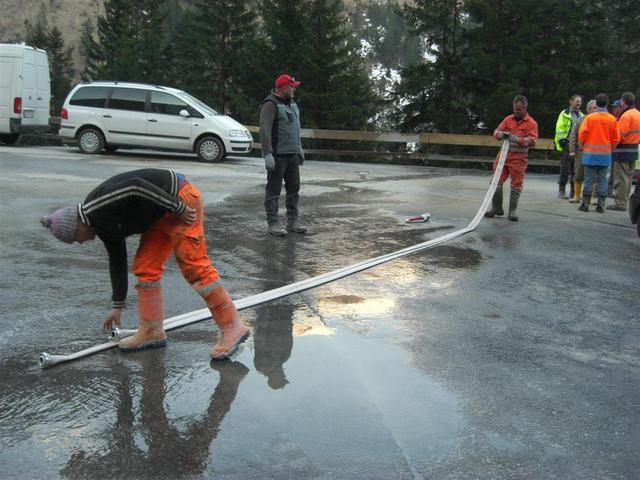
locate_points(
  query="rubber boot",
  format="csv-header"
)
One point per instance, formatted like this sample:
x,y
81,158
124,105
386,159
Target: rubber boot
x,y
496,204
584,206
150,332
577,192
232,331
513,205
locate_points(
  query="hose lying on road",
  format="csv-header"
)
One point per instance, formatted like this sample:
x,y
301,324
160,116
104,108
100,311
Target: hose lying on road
x,y
48,360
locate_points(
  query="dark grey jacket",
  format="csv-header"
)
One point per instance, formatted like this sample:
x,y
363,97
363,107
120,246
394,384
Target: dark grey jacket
x,y
280,126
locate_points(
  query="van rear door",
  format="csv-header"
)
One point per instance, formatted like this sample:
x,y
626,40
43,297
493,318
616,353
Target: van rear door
x,y
36,89
9,72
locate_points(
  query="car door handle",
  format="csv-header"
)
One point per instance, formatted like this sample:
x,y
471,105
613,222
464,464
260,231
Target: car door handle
x,y
39,98
106,116
153,120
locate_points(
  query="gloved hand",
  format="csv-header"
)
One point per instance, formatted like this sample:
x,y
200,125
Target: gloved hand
x,y
505,135
300,157
269,162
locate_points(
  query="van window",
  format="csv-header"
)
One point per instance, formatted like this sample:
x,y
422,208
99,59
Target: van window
x,y
166,103
128,99
90,97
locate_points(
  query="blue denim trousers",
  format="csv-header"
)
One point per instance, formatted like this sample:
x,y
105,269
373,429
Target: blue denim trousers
x,y
597,174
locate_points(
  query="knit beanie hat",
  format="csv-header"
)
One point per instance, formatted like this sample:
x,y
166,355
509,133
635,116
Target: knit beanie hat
x,y
62,223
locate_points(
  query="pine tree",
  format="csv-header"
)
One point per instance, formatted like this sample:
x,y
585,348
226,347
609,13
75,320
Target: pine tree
x,y
231,54
61,68
336,93
542,58
89,52
38,33
287,28
115,57
430,95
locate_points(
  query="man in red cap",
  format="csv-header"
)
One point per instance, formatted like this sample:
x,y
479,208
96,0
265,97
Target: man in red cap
x,y
282,152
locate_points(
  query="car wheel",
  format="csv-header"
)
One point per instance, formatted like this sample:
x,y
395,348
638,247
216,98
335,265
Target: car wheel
x,y
638,227
9,139
91,141
210,149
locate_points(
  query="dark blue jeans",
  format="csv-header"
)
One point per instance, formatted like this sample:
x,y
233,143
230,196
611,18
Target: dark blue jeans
x,y
597,174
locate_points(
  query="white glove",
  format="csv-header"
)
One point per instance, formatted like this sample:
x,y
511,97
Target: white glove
x,y
269,162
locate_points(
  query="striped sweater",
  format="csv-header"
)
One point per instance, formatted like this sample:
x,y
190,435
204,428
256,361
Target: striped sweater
x,y
128,204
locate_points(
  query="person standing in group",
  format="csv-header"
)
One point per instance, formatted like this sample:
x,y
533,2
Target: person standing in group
x,y
566,119
522,132
283,154
616,111
168,211
576,153
626,153
598,137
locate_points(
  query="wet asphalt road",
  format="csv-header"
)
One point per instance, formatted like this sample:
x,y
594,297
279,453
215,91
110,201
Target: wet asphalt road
x,y
510,353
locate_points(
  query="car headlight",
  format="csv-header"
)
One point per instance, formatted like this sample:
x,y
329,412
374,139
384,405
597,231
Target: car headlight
x,y
237,133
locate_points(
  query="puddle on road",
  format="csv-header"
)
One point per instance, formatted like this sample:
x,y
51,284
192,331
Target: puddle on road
x,y
346,299
301,399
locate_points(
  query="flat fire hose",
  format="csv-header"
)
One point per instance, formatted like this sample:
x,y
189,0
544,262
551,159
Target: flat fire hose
x,y
47,360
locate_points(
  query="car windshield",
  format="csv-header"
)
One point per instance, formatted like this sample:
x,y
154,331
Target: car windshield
x,y
200,104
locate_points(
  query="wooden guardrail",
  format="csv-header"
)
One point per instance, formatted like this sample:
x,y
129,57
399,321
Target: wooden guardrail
x,y
544,144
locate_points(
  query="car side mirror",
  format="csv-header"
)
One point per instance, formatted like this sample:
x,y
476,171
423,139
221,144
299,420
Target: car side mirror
x,y
184,113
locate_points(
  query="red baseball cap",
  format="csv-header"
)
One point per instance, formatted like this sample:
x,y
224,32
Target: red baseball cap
x,y
286,81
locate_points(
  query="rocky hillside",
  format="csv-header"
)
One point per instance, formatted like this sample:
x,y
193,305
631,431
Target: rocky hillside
x,y
67,15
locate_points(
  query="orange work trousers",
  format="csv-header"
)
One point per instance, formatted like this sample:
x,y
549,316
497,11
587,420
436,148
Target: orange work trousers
x,y
187,242
514,168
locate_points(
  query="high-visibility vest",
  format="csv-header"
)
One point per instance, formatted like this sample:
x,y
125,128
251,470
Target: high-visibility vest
x,y
629,124
598,135
563,127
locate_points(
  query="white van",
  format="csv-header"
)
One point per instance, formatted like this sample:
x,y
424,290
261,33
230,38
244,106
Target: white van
x,y
25,91
108,115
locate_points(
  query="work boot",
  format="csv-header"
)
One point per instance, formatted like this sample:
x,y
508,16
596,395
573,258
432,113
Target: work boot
x,y
496,204
150,333
584,206
613,206
294,226
276,229
577,192
561,192
232,331
600,207
513,205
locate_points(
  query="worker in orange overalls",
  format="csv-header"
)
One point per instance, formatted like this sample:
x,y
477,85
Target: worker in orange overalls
x,y
522,132
598,136
168,211
626,153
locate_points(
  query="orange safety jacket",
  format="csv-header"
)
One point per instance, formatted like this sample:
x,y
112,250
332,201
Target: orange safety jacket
x,y
524,133
629,125
598,135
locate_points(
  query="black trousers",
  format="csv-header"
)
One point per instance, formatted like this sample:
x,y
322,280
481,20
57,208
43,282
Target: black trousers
x,y
566,168
287,169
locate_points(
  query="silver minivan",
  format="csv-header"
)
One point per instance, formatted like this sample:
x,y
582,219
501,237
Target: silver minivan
x,y
109,115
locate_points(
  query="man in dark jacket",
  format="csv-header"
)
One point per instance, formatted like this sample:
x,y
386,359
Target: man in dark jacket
x,y
282,152
168,211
